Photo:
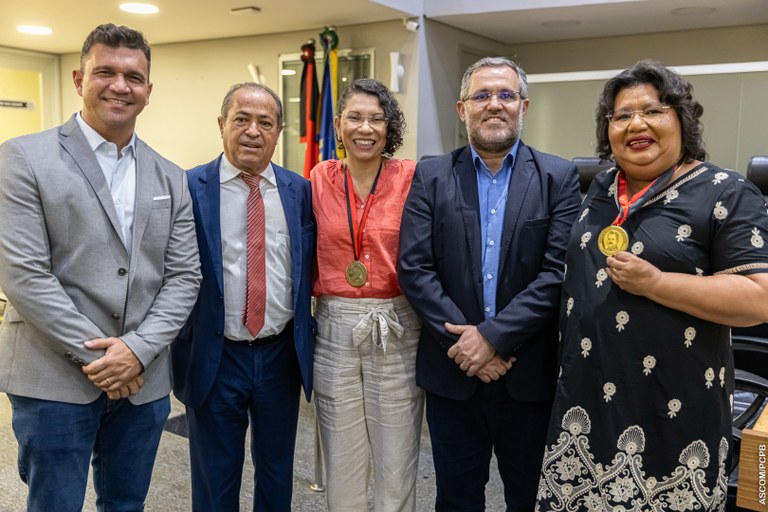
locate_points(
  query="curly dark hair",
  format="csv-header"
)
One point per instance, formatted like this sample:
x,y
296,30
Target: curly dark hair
x,y
113,36
674,90
395,117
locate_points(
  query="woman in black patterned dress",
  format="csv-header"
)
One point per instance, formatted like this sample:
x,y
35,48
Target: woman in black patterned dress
x,y
642,411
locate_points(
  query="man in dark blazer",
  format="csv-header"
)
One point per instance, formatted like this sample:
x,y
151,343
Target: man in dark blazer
x,y
482,245
227,370
99,263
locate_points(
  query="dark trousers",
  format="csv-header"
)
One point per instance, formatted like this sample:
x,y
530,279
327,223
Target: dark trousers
x,y
58,440
464,435
261,383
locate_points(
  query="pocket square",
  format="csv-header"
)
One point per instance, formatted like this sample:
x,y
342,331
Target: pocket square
x,y
160,198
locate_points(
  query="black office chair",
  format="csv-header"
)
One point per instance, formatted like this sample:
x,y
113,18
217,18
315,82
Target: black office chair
x,y
588,167
757,172
750,358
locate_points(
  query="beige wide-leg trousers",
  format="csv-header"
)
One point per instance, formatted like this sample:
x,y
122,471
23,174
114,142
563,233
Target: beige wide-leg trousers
x,y
368,405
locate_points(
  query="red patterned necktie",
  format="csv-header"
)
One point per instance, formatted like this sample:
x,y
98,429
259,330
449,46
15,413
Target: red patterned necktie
x,y
256,280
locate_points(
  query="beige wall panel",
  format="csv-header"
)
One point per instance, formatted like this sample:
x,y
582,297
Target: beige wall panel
x,y
190,80
714,46
24,86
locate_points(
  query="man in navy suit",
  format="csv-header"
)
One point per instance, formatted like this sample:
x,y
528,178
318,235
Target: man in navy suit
x,y
482,245
226,368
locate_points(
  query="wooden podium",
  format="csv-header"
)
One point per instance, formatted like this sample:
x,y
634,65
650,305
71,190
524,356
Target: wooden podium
x,y
752,492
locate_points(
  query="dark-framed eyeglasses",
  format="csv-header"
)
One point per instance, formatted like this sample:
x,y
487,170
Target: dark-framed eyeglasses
x,y
482,97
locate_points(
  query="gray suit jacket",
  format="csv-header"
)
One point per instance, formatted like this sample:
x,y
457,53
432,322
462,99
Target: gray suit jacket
x,y
67,273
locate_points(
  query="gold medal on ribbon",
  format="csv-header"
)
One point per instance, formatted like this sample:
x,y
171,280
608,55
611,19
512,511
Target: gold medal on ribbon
x,y
356,274
612,239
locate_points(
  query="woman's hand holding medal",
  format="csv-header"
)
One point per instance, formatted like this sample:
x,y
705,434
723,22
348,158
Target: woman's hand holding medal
x,y
632,273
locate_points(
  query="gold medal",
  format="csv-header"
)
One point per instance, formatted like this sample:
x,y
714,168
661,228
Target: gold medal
x,y
356,274
612,239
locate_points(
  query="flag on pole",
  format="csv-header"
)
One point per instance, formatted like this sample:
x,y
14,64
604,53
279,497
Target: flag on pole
x,y
309,106
329,93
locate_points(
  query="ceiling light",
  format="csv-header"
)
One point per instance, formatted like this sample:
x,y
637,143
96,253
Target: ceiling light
x,y
139,8
561,23
692,11
34,30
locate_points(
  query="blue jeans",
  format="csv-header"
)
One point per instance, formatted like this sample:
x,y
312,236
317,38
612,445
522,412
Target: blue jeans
x,y
57,440
464,435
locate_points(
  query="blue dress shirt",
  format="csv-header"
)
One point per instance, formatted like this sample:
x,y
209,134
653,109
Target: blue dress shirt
x,y
493,190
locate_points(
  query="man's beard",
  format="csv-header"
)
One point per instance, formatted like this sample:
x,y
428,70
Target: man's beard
x,y
495,141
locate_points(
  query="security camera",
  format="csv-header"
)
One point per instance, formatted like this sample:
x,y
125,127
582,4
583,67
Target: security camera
x,y
411,25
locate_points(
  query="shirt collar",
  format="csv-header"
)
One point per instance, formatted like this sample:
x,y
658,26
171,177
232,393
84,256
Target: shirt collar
x,y
228,172
508,163
95,139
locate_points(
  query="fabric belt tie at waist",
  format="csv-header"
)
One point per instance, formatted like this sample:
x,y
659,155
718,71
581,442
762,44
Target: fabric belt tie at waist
x,y
379,323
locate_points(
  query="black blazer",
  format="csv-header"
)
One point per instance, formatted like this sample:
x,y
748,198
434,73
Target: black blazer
x,y
440,268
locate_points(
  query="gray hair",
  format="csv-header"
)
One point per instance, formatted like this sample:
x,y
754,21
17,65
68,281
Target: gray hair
x,y
488,62
227,103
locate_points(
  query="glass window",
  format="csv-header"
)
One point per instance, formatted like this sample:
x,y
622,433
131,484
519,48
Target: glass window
x,y
353,64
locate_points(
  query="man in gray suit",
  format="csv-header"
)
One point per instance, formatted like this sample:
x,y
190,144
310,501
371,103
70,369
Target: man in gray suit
x,y
99,262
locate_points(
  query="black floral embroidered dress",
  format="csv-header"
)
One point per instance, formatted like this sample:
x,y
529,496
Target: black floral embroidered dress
x,y
642,411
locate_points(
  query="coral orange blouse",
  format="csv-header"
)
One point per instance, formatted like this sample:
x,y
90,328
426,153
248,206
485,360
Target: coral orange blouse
x,y
380,239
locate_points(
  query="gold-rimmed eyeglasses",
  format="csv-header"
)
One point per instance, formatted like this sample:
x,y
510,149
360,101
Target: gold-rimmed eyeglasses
x,y
374,121
650,114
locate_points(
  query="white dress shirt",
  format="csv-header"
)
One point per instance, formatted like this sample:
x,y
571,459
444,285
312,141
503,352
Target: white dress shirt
x,y
234,214
120,174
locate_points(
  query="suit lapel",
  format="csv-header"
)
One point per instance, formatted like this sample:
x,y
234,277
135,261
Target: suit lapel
x,y
145,180
75,143
293,217
518,187
206,195
469,203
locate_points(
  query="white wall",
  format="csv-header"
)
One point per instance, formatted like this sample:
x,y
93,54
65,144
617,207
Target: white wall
x,y
191,79
561,115
440,69
712,46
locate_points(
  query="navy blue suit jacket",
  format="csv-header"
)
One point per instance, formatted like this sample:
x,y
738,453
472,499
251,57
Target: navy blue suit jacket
x,y
440,268
196,353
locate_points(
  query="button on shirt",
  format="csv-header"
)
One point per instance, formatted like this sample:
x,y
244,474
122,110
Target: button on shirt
x,y
120,174
492,190
234,211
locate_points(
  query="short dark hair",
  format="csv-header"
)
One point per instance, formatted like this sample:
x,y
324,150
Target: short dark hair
x,y
113,36
493,62
395,117
674,90
227,103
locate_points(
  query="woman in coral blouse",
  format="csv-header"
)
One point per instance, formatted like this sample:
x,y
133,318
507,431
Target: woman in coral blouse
x,y
368,405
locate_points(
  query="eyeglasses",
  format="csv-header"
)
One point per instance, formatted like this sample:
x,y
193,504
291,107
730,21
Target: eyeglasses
x,y
482,97
650,114
375,121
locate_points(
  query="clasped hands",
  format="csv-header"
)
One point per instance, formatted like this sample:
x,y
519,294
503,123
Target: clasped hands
x,y
118,371
475,355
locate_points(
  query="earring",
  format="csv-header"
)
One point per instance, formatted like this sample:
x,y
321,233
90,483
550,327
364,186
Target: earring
x,y
339,143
